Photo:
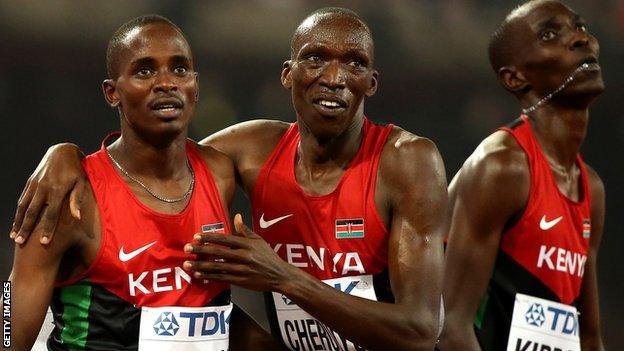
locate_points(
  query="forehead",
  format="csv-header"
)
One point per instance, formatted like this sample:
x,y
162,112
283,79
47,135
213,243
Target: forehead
x,y
536,15
340,32
153,40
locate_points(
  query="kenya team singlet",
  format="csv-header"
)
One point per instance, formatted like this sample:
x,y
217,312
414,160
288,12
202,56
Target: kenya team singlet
x,y
136,289
539,268
338,238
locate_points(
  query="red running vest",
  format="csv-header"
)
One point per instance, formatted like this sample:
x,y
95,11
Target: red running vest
x,y
329,236
551,238
141,251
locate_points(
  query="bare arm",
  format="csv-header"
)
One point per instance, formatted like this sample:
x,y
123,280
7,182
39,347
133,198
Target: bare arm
x,y
591,339
58,174
491,187
34,272
417,196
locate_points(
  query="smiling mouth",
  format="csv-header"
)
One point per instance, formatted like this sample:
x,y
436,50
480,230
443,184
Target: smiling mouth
x,y
330,104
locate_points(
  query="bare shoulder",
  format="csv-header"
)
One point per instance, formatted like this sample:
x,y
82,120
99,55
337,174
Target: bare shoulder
x,y
410,164
218,162
596,186
222,168
405,151
497,169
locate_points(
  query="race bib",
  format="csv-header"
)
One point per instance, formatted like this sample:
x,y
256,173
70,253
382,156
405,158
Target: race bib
x,y
543,325
302,332
185,328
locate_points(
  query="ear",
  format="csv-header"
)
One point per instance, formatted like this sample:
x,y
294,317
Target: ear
x,y
372,89
286,74
110,93
513,80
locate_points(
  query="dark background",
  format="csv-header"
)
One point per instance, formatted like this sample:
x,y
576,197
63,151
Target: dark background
x,y
435,81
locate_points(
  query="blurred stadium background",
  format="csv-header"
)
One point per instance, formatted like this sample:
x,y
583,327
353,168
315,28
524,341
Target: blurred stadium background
x,y
435,81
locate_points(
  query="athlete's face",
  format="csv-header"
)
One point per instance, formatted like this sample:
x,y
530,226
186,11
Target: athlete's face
x,y
552,41
157,87
331,74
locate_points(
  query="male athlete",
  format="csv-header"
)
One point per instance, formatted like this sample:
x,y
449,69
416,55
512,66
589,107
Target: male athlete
x,y
527,213
114,278
349,214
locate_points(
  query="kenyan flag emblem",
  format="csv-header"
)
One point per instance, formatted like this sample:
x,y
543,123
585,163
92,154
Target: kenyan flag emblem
x,y
213,228
586,228
349,228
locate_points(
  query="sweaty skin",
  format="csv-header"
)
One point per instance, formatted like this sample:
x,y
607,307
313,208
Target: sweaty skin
x,y
332,59
152,148
491,190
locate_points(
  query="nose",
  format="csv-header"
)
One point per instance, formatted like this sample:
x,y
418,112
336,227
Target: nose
x,y
579,40
333,76
165,82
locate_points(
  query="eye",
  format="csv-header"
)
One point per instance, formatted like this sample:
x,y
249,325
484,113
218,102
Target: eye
x,y
581,27
548,35
357,64
143,72
313,58
180,70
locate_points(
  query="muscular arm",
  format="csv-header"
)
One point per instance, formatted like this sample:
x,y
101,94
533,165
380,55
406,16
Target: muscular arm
x,y
589,319
34,272
416,192
491,188
415,178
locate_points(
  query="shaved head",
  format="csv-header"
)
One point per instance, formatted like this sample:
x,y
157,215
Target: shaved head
x,y
329,16
501,47
117,41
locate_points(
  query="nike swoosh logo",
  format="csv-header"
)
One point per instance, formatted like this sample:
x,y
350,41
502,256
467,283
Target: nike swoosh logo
x,y
265,224
124,257
545,225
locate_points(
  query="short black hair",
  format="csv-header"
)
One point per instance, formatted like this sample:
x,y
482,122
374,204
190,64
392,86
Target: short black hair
x,y
328,11
501,46
115,42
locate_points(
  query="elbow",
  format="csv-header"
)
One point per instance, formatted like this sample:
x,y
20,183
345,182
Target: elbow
x,y
421,333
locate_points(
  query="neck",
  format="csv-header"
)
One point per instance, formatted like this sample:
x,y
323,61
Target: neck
x,y
315,152
560,131
142,158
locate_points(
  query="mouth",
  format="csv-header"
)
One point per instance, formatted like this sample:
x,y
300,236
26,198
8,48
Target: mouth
x,y
329,105
167,108
590,64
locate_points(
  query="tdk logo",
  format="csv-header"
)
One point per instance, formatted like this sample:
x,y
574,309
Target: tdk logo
x,y
166,324
535,315
559,320
287,301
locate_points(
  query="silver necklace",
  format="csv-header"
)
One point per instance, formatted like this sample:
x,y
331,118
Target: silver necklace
x,y
163,199
547,98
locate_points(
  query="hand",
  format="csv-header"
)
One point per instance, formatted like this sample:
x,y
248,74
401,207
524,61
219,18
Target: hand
x,y
242,259
59,173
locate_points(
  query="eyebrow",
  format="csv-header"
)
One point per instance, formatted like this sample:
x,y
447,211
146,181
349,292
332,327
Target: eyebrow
x,y
552,21
180,59
143,61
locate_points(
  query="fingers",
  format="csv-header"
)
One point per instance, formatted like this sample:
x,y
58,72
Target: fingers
x,y
232,241
216,252
208,267
75,198
30,217
22,205
50,219
241,228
